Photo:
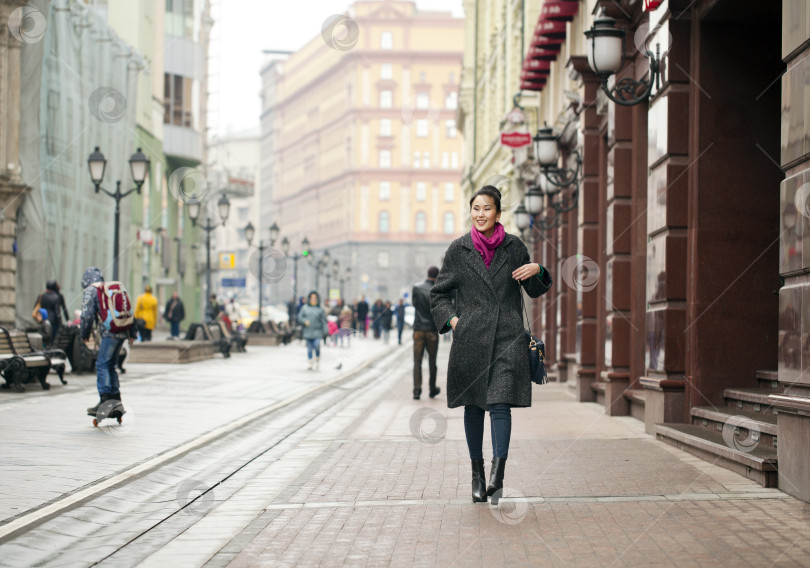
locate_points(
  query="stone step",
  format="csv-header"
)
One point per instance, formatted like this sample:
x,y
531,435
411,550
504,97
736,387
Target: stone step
x,y
598,387
753,399
768,380
758,463
760,427
638,399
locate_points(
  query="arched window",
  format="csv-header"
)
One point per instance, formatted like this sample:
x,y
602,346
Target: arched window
x,y
387,40
384,222
449,223
421,222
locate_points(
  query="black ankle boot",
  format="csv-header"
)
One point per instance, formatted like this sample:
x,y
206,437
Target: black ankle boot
x,y
496,476
479,482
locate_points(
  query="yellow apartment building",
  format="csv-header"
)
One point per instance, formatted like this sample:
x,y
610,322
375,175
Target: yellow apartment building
x,y
360,150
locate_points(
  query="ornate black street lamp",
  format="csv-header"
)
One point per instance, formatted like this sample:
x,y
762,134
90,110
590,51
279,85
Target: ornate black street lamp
x,y
223,208
606,56
138,167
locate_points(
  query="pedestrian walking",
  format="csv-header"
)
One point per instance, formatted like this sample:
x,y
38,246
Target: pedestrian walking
x,y
362,315
386,317
376,310
52,301
174,313
313,318
112,338
489,363
425,335
345,321
146,313
399,311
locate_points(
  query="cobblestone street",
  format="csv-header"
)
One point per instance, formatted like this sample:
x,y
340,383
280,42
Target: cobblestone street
x,y
357,473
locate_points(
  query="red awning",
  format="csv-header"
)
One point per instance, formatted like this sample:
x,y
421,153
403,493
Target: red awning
x,y
540,54
550,29
535,65
563,10
532,86
526,77
547,43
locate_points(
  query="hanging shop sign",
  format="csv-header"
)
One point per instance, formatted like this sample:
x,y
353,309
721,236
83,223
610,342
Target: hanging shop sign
x,y
650,5
516,139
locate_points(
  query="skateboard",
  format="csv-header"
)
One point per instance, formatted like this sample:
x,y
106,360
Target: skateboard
x,y
112,409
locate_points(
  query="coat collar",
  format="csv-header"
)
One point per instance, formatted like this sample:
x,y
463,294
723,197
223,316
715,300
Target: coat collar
x,y
475,260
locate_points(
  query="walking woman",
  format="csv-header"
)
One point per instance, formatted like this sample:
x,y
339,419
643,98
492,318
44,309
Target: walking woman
x,y
313,318
489,362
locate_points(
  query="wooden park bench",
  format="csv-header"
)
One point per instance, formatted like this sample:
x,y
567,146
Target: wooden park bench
x,y
237,341
212,333
35,364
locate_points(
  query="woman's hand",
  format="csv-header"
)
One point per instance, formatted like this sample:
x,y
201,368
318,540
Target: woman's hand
x,y
453,322
526,271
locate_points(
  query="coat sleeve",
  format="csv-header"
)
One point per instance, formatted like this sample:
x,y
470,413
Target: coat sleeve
x,y
538,285
89,311
441,295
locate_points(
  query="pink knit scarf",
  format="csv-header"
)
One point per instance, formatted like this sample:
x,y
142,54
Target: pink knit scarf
x,y
486,246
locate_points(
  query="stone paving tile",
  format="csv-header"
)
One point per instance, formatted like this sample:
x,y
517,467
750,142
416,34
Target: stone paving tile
x,y
602,493
167,406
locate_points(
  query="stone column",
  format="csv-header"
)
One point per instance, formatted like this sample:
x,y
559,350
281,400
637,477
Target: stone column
x,y
793,405
617,275
574,271
12,190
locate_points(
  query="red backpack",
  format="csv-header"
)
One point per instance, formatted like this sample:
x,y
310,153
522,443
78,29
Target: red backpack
x,y
114,307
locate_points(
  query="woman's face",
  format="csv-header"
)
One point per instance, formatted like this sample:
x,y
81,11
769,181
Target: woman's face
x,y
483,213
313,300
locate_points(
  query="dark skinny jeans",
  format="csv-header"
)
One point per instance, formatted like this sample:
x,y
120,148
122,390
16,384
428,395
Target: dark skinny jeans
x,y
500,420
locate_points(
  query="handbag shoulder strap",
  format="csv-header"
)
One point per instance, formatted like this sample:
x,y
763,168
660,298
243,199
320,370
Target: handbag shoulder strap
x,y
520,291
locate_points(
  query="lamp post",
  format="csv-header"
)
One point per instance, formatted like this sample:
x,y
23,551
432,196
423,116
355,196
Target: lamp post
x,y
335,269
250,232
348,277
138,167
223,208
304,252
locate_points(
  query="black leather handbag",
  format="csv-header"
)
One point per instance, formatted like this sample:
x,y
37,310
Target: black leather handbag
x,y
537,349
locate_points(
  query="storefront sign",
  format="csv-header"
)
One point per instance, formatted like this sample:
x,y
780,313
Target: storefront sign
x,y
516,116
516,139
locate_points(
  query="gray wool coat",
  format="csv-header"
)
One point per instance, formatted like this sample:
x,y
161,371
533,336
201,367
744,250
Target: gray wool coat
x,y
489,361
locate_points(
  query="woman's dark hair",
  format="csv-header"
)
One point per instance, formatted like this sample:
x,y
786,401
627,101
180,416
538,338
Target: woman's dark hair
x,y
316,295
490,191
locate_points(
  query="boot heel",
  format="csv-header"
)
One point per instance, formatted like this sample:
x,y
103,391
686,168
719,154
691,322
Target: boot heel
x,y
496,477
479,482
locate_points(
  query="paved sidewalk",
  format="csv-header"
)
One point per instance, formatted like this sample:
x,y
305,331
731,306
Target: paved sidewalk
x,y
50,448
583,489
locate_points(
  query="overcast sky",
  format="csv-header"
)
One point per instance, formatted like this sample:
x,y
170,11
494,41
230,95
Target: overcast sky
x,y
243,28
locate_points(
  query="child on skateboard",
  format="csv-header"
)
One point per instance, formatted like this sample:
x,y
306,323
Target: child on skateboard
x,y
107,303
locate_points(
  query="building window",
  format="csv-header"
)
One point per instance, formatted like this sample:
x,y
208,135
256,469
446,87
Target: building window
x,y
179,18
386,71
386,99
387,40
422,128
422,101
385,158
454,160
449,223
445,160
177,100
421,222
426,160
451,101
384,222
382,259
421,191
385,127
385,190
450,128
417,159
449,191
